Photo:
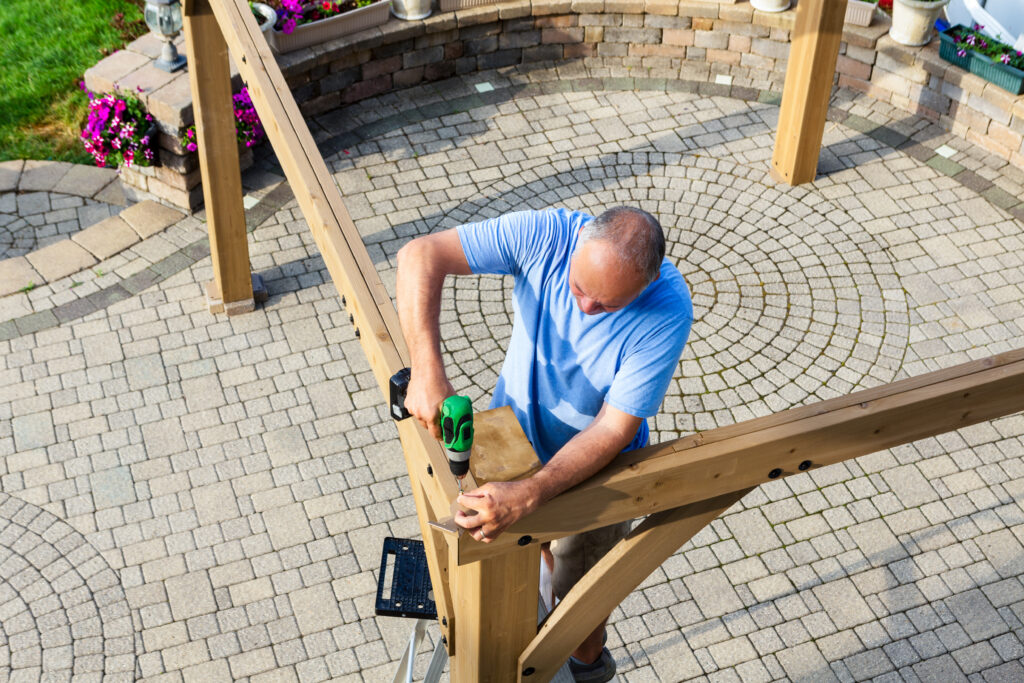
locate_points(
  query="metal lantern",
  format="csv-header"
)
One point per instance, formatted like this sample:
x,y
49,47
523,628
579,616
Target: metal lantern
x,y
164,18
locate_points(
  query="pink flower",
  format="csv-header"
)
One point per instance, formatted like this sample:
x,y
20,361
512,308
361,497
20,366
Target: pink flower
x,y
289,26
191,146
1005,58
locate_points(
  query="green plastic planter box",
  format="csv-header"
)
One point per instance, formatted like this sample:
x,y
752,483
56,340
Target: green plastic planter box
x,y
947,49
1005,76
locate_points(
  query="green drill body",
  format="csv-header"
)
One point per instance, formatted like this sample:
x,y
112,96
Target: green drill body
x,y
457,434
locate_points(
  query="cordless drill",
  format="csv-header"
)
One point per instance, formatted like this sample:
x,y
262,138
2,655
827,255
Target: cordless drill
x,y
457,434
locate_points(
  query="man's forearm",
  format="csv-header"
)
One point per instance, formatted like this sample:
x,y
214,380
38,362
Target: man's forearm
x,y
582,457
418,286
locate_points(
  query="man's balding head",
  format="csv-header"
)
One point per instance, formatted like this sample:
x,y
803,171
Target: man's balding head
x,y
636,236
617,255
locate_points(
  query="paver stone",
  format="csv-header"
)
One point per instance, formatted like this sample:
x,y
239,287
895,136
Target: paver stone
x,y
61,259
17,273
106,238
42,176
85,181
10,173
148,218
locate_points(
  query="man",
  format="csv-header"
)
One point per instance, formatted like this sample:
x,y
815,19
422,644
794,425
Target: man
x,y
601,319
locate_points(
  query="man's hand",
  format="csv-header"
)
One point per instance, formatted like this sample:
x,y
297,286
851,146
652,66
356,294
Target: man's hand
x,y
423,399
498,505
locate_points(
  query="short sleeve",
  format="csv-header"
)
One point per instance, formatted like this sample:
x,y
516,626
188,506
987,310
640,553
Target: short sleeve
x,y
640,384
509,244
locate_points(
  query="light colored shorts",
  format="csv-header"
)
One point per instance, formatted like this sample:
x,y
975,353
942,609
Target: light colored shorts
x,y
575,555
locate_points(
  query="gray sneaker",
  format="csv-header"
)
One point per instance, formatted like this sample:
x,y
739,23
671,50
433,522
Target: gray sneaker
x,y
600,671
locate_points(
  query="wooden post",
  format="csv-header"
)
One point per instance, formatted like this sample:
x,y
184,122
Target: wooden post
x,y
496,612
231,290
813,52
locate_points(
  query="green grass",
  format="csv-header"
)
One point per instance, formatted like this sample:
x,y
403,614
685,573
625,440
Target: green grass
x,y
45,50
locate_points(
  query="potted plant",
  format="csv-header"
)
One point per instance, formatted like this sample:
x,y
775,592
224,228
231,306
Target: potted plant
x,y
300,26
118,131
912,20
266,16
770,5
980,54
859,12
248,127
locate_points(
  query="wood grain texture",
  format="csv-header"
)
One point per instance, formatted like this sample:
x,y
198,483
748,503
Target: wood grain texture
x,y
496,611
501,451
711,464
613,578
210,81
813,52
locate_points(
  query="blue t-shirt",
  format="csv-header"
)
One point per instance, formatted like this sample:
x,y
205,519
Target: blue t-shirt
x,y
562,364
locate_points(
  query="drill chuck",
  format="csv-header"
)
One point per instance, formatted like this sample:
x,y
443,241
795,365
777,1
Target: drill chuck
x,y
458,462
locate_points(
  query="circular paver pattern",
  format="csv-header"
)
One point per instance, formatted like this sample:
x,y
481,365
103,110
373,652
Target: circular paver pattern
x,y
32,220
792,300
63,613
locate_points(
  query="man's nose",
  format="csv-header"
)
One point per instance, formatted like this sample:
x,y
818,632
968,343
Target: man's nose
x,y
589,306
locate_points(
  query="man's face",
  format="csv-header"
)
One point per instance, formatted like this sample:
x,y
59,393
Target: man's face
x,y
599,281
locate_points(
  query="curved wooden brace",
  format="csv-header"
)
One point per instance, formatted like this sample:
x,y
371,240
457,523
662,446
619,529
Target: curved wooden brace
x,y
613,578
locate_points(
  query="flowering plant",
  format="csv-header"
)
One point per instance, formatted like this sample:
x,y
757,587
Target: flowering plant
x,y
248,127
118,129
292,13
973,40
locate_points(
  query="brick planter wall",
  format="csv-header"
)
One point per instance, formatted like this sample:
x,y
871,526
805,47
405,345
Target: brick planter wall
x,y
658,39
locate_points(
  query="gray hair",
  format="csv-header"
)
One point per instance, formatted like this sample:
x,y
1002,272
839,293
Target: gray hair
x,y
636,234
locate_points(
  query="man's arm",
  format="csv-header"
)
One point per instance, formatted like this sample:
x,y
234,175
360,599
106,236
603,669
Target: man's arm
x,y
500,504
422,267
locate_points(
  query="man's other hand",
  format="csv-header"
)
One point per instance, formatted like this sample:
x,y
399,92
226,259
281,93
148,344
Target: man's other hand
x,y
498,505
423,399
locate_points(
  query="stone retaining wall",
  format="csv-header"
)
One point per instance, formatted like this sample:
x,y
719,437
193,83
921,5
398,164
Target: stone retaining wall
x,y
656,39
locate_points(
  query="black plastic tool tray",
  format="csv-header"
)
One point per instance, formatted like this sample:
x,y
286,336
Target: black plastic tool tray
x,y
409,594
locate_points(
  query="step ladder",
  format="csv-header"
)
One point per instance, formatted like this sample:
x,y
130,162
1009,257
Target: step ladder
x,y
403,590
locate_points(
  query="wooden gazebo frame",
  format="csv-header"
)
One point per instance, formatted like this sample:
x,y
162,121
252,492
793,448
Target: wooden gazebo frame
x,y
486,595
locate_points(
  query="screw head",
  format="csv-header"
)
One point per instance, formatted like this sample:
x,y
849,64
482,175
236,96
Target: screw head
x,y
430,471
444,621
775,474
524,540
528,671
805,465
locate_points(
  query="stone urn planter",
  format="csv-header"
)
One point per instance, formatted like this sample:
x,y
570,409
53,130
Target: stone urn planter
x,y
913,20
322,30
265,16
770,5
411,10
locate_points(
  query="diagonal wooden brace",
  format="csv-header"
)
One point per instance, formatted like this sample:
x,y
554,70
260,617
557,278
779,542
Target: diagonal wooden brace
x,y
612,579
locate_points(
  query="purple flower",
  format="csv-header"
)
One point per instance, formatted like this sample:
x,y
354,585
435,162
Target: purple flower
x,y
1005,58
289,26
961,53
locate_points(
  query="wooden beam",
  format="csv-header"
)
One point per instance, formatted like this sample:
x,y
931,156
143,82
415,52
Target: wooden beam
x,y
210,80
496,612
813,51
734,458
611,580
350,267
